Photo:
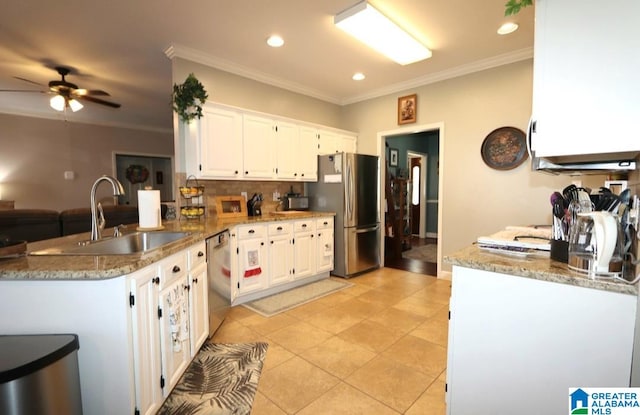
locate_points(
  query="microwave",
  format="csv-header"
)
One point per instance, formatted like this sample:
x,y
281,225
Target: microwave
x,y
295,203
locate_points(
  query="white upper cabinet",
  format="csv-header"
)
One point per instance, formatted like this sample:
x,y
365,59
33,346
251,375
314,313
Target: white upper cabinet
x,y
234,144
308,154
219,145
331,142
258,135
586,84
287,150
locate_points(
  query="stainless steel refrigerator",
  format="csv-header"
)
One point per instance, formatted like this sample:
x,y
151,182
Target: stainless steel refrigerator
x,y
348,184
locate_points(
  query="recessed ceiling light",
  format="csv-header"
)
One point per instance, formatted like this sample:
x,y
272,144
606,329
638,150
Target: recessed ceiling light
x,y
358,76
507,28
275,41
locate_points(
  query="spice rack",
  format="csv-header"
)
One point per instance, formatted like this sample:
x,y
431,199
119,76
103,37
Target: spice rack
x,y
193,195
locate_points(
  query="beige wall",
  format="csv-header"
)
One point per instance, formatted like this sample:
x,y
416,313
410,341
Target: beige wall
x,y
476,200
35,153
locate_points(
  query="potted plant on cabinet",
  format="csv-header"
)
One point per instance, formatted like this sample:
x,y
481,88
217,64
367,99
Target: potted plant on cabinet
x,y
188,98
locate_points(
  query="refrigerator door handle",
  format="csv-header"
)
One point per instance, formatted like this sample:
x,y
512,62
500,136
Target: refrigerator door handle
x,y
365,230
349,191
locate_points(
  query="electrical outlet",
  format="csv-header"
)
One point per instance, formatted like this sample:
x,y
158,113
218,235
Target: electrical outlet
x,y
244,194
276,196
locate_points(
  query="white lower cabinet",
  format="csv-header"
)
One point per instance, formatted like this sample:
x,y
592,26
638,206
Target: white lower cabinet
x,y
280,253
198,298
252,259
146,340
509,334
324,241
304,243
174,320
169,313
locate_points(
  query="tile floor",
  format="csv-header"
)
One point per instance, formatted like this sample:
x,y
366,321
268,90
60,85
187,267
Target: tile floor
x,y
376,348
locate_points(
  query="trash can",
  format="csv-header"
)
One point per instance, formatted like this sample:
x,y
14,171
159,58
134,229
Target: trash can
x,y
39,375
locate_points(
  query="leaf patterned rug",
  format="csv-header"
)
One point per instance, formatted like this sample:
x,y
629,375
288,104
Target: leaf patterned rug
x,y
221,380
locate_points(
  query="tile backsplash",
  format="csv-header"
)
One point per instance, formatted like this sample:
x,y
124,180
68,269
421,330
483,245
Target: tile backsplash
x,y
236,187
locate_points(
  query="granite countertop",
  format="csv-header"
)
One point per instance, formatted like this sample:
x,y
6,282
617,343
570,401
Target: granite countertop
x,y
98,267
539,268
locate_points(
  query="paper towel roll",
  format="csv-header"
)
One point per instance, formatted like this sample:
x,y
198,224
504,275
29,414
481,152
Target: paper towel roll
x,y
149,209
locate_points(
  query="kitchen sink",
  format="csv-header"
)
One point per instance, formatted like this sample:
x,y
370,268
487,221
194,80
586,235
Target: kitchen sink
x,y
132,243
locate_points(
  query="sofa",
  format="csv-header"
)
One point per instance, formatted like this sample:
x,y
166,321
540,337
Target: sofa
x,y
37,224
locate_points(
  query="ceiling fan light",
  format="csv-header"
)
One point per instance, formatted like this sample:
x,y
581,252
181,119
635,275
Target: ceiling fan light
x,y
374,29
75,105
58,103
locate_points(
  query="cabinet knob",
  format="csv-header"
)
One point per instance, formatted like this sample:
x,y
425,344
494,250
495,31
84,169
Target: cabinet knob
x,y
195,280
236,172
186,287
200,253
246,172
295,174
261,243
325,223
279,228
304,225
176,268
271,242
252,231
312,235
319,234
156,280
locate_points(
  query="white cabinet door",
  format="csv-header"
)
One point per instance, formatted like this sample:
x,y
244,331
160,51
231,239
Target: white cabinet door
x,y
258,142
198,307
174,332
253,265
173,303
280,253
220,144
586,85
287,150
346,144
304,248
324,258
308,154
327,142
146,340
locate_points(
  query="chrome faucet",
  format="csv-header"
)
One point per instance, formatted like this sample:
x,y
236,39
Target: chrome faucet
x,y
96,229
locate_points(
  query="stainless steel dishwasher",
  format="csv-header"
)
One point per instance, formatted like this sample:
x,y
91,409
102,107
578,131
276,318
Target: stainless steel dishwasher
x,y
219,276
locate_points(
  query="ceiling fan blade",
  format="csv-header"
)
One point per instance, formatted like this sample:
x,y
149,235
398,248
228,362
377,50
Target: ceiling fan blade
x,y
99,101
95,92
28,80
22,90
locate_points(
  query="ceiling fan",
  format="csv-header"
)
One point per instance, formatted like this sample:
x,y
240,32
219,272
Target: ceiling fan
x,y
67,95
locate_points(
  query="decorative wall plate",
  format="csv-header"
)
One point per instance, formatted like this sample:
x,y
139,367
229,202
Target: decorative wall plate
x,y
504,148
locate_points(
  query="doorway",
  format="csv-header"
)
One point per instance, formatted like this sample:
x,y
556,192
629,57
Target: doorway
x,y
430,210
137,171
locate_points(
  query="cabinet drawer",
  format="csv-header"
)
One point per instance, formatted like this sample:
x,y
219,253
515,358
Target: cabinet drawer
x,y
173,268
280,228
197,255
304,226
324,223
248,232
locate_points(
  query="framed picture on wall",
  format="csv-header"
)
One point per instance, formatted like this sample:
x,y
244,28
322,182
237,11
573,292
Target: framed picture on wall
x,y
393,157
407,108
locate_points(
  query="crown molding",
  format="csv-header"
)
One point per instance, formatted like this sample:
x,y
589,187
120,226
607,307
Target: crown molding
x,y
197,56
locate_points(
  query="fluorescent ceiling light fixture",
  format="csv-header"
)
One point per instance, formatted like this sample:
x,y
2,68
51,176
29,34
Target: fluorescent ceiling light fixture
x,y
375,30
507,28
358,76
275,41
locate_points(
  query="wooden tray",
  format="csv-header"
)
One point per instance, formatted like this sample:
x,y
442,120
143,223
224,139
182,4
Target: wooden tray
x,y
230,207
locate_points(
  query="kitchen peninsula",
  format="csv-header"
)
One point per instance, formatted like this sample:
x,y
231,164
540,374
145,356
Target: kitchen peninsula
x,y
530,325
112,303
